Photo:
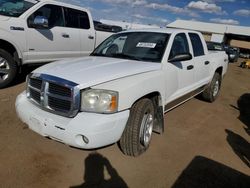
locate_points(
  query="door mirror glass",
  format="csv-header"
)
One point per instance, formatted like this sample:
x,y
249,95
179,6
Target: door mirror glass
x,y
181,57
41,22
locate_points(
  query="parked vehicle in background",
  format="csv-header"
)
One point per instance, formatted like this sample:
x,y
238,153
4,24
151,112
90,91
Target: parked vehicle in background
x,y
233,53
215,46
104,27
40,31
120,92
245,55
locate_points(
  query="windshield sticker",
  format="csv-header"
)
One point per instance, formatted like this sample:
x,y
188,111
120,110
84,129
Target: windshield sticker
x,y
32,1
146,45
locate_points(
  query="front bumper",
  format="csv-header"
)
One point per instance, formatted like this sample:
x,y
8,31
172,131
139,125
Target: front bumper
x,y
99,129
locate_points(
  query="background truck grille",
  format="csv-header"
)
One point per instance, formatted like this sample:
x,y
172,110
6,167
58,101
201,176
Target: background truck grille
x,y
54,94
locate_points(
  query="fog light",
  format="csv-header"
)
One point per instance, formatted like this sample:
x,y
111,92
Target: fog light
x,y
81,140
85,139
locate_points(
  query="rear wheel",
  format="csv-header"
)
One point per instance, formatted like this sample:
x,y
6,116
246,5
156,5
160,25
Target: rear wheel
x,y
212,91
138,132
8,68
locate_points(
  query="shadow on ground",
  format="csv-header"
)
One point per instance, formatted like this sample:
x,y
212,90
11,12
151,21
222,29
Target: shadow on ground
x,y
244,108
203,172
95,166
240,146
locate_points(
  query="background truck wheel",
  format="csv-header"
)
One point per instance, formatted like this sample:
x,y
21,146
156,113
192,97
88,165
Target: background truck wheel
x,y
138,132
212,91
8,68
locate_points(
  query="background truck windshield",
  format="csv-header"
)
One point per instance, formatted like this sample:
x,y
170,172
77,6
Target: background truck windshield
x,y
141,46
15,8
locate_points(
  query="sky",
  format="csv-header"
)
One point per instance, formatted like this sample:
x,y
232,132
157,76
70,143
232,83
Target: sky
x,y
162,12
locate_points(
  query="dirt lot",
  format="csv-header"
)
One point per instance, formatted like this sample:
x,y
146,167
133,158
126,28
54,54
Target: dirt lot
x,y
204,145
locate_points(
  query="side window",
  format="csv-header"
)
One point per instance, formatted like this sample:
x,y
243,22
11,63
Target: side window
x,y
53,13
197,44
76,19
180,45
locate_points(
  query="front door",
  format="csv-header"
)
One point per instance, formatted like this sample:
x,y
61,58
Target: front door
x,y
54,43
180,75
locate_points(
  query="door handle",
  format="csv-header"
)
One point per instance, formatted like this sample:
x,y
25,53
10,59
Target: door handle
x,y
64,35
190,67
207,62
91,37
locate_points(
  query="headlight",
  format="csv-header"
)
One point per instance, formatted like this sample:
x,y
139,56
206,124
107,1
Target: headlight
x,y
99,101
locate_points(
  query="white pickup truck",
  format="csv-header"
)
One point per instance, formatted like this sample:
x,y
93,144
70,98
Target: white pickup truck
x,y
121,92
39,31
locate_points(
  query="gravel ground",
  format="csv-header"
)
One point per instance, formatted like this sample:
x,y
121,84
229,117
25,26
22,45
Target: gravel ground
x,y
204,145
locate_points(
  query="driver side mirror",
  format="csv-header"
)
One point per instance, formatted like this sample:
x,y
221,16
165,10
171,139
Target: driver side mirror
x,y
41,22
180,57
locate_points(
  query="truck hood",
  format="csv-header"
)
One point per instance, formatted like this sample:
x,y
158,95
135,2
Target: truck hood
x,y
4,18
90,71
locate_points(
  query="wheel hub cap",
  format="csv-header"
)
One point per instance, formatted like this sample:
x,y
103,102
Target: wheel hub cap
x,y
146,129
216,88
4,69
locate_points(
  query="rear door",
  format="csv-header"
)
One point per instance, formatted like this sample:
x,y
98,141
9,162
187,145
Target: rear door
x,y
201,63
79,21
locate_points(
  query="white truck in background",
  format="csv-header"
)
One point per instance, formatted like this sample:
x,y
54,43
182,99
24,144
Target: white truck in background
x,y
121,92
40,31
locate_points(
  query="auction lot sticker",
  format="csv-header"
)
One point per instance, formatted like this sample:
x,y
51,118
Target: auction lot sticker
x,y
146,45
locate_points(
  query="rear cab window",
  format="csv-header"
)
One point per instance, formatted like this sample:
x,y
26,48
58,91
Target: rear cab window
x,y
76,19
197,45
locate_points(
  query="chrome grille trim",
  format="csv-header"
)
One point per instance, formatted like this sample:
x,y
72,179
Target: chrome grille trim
x,y
34,88
65,104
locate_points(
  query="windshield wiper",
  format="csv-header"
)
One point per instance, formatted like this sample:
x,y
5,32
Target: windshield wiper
x,y
126,56
117,55
4,13
97,54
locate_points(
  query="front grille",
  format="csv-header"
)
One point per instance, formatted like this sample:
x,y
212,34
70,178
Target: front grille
x,y
35,95
60,104
54,94
36,83
59,90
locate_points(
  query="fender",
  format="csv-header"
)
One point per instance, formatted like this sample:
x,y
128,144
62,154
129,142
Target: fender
x,y
6,36
149,87
136,87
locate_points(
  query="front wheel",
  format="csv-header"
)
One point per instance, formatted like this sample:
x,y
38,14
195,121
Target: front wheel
x,y
138,132
8,68
212,91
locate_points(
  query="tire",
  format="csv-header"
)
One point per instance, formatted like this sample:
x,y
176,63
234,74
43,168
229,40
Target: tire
x,y
138,132
212,91
8,68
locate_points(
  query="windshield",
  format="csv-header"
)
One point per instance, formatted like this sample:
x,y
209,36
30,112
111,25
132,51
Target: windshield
x,y
15,8
140,46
